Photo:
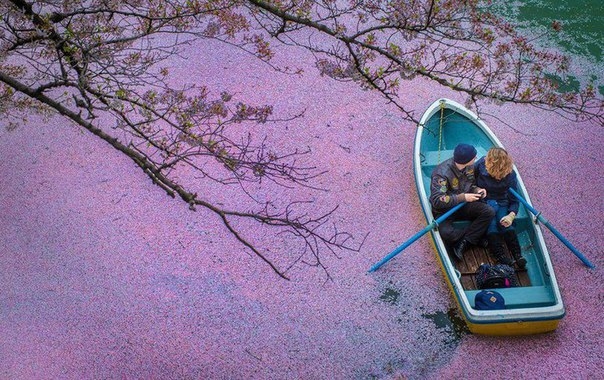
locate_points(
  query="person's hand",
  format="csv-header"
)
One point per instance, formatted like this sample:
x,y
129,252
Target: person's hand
x,y
471,197
482,192
507,220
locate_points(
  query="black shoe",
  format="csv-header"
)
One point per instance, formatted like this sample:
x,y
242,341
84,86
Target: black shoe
x,y
497,249
460,248
503,259
511,239
483,242
521,262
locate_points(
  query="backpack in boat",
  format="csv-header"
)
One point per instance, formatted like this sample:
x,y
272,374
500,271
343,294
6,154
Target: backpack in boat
x,y
495,276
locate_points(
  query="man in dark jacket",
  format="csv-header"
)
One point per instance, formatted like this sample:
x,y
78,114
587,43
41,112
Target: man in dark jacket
x,y
453,182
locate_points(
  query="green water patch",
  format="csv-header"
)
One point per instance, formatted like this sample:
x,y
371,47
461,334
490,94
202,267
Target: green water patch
x,y
390,296
578,33
581,30
450,321
569,84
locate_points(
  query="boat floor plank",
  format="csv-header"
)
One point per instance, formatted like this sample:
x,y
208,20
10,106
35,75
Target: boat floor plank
x,y
472,259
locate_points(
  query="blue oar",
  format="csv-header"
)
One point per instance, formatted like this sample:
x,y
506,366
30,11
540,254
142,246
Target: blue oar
x,y
542,219
421,233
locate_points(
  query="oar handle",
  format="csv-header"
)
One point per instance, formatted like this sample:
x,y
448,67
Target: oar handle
x,y
412,239
546,223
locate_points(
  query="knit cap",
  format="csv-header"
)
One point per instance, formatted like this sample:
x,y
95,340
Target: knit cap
x,y
464,153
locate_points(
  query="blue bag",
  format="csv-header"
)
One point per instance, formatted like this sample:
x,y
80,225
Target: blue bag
x,y
489,300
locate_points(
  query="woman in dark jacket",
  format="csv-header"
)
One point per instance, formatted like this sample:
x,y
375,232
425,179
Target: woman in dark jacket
x,y
495,174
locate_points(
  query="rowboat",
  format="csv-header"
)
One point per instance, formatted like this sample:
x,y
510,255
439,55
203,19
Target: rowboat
x,y
533,307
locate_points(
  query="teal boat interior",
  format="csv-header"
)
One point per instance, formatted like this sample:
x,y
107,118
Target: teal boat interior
x,y
441,133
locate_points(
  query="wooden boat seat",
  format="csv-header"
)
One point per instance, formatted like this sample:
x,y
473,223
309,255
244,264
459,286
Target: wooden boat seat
x,y
531,296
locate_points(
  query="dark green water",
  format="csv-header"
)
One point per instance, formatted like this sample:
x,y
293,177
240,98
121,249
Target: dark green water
x,y
581,36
